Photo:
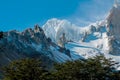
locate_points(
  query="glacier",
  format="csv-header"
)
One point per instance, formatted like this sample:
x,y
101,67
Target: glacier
x,y
101,37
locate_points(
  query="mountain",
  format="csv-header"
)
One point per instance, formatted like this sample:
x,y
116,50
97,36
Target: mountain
x,y
113,28
31,43
92,36
60,40
54,28
101,37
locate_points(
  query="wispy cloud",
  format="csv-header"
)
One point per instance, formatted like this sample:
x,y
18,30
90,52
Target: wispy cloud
x,y
91,11
79,22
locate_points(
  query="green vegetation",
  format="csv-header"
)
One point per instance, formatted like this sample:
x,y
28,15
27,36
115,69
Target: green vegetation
x,y
25,69
97,68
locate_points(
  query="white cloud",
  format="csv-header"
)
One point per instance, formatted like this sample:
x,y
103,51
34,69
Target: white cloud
x,y
93,11
80,22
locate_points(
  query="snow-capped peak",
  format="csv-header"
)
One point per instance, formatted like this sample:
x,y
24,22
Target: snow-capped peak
x,y
113,20
54,23
117,3
54,28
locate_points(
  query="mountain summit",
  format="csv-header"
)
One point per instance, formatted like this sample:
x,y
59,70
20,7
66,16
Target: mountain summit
x,y
101,37
116,3
113,28
61,40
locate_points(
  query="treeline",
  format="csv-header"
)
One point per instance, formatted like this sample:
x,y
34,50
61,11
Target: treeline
x,y
96,68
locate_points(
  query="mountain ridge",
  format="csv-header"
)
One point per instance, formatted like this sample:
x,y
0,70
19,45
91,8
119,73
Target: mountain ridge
x,y
31,43
101,37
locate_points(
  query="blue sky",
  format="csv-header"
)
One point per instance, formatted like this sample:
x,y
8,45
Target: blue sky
x,y
21,14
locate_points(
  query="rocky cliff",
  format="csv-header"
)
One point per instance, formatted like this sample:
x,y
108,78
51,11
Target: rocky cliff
x,y
31,43
113,28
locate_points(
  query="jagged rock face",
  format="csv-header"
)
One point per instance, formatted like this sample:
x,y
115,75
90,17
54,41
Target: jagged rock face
x,y
113,29
30,43
114,22
62,41
17,45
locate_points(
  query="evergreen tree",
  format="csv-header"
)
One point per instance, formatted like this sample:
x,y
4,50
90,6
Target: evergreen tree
x,y
97,68
25,69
